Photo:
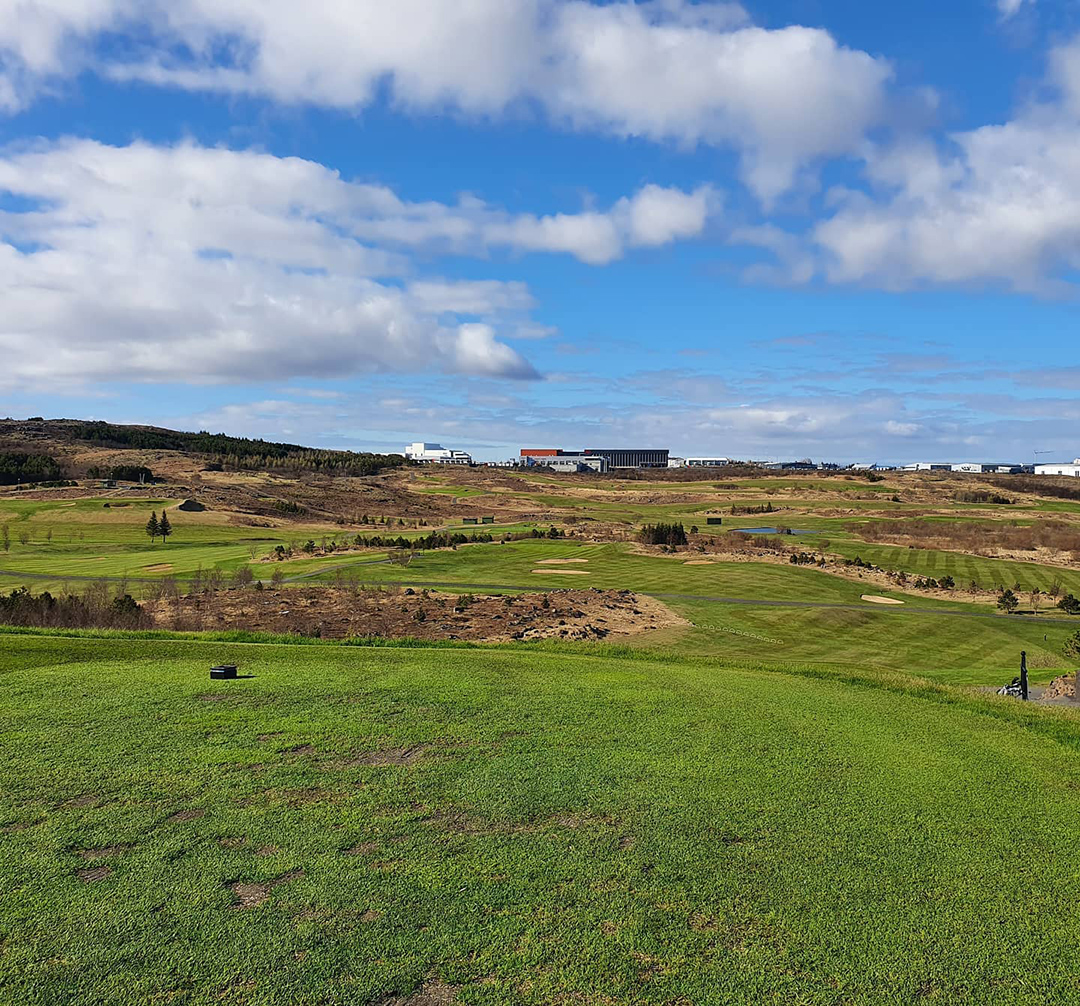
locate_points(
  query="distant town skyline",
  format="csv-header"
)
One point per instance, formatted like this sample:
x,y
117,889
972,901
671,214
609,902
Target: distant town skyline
x,y
802,228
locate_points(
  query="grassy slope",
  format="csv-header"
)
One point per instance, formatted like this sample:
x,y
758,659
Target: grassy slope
x,y
582,829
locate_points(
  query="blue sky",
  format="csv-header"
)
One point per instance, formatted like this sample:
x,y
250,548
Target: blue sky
x,y
816,228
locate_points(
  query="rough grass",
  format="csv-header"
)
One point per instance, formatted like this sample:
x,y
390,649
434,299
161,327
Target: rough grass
x,y
531,827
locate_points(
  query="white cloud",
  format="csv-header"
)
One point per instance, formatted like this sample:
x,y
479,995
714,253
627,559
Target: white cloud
x,y
188,264
1010,8
664,70
996,205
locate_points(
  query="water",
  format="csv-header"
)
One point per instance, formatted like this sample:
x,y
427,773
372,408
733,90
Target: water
x,y
769,530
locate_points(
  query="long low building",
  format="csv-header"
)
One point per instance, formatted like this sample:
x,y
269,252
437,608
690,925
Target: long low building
x,y
1060,469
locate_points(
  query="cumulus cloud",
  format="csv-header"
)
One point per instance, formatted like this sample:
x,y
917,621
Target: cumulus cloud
x,y
664,70
996,205
189,264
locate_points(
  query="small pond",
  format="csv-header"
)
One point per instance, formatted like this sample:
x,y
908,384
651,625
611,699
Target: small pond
x,y
770,530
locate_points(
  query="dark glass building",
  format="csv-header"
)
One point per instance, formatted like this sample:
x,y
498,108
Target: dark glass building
x,y
631,459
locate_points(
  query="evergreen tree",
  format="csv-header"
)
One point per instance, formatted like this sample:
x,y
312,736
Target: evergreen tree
x,y
164,527
153,529
1008,601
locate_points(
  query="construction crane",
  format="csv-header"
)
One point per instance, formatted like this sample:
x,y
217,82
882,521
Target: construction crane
x,y
1037,453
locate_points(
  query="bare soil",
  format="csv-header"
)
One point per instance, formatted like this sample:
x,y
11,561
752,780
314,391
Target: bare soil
x,y
433,993
250,895
337,613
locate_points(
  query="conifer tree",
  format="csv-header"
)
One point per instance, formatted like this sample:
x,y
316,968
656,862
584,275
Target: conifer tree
x,y
164,527
153,529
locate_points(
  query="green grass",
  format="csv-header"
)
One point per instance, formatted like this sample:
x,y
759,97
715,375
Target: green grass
x,y
963,568
577,829
949,650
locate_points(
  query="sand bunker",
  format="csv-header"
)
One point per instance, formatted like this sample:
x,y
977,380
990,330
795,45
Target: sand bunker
x,y
159,567
559,562
563,572
698,562
878,599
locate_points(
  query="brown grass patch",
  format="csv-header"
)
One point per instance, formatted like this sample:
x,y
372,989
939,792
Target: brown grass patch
x,y
363,849
92,874
250,895
432,993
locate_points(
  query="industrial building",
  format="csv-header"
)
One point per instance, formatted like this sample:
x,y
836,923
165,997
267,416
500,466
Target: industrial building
x,y
578,463
987,469
625,458
707,462
615,458
436,454
1060,469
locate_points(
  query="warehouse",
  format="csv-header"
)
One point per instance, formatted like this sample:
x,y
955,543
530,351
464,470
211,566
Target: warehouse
x,y
624,458
615,458
1060,469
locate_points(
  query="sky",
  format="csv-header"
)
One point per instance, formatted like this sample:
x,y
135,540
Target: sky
x,y
832,229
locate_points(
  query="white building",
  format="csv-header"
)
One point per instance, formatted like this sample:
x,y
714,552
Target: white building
x,y
982,469
436,454
582,463
707,462
1060,469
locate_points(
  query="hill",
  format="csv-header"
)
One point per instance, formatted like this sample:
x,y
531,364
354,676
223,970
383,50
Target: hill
x,y
388,826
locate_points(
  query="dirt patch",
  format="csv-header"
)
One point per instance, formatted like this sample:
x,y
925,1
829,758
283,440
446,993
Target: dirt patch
x,y
92,874
363,849
232,842
432,993
339,612
560,562
267,850
250,895
159,567
563,572
10,829
85,800
105,852
878,599
185,815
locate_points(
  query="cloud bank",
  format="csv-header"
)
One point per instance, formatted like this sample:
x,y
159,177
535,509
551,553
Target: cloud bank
x,y
662,70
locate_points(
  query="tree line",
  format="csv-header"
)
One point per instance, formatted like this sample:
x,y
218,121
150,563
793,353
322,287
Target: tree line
x,y
237,452
17,467
663,534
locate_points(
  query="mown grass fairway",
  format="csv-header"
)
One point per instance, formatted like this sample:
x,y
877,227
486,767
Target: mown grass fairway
x,y
531,826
